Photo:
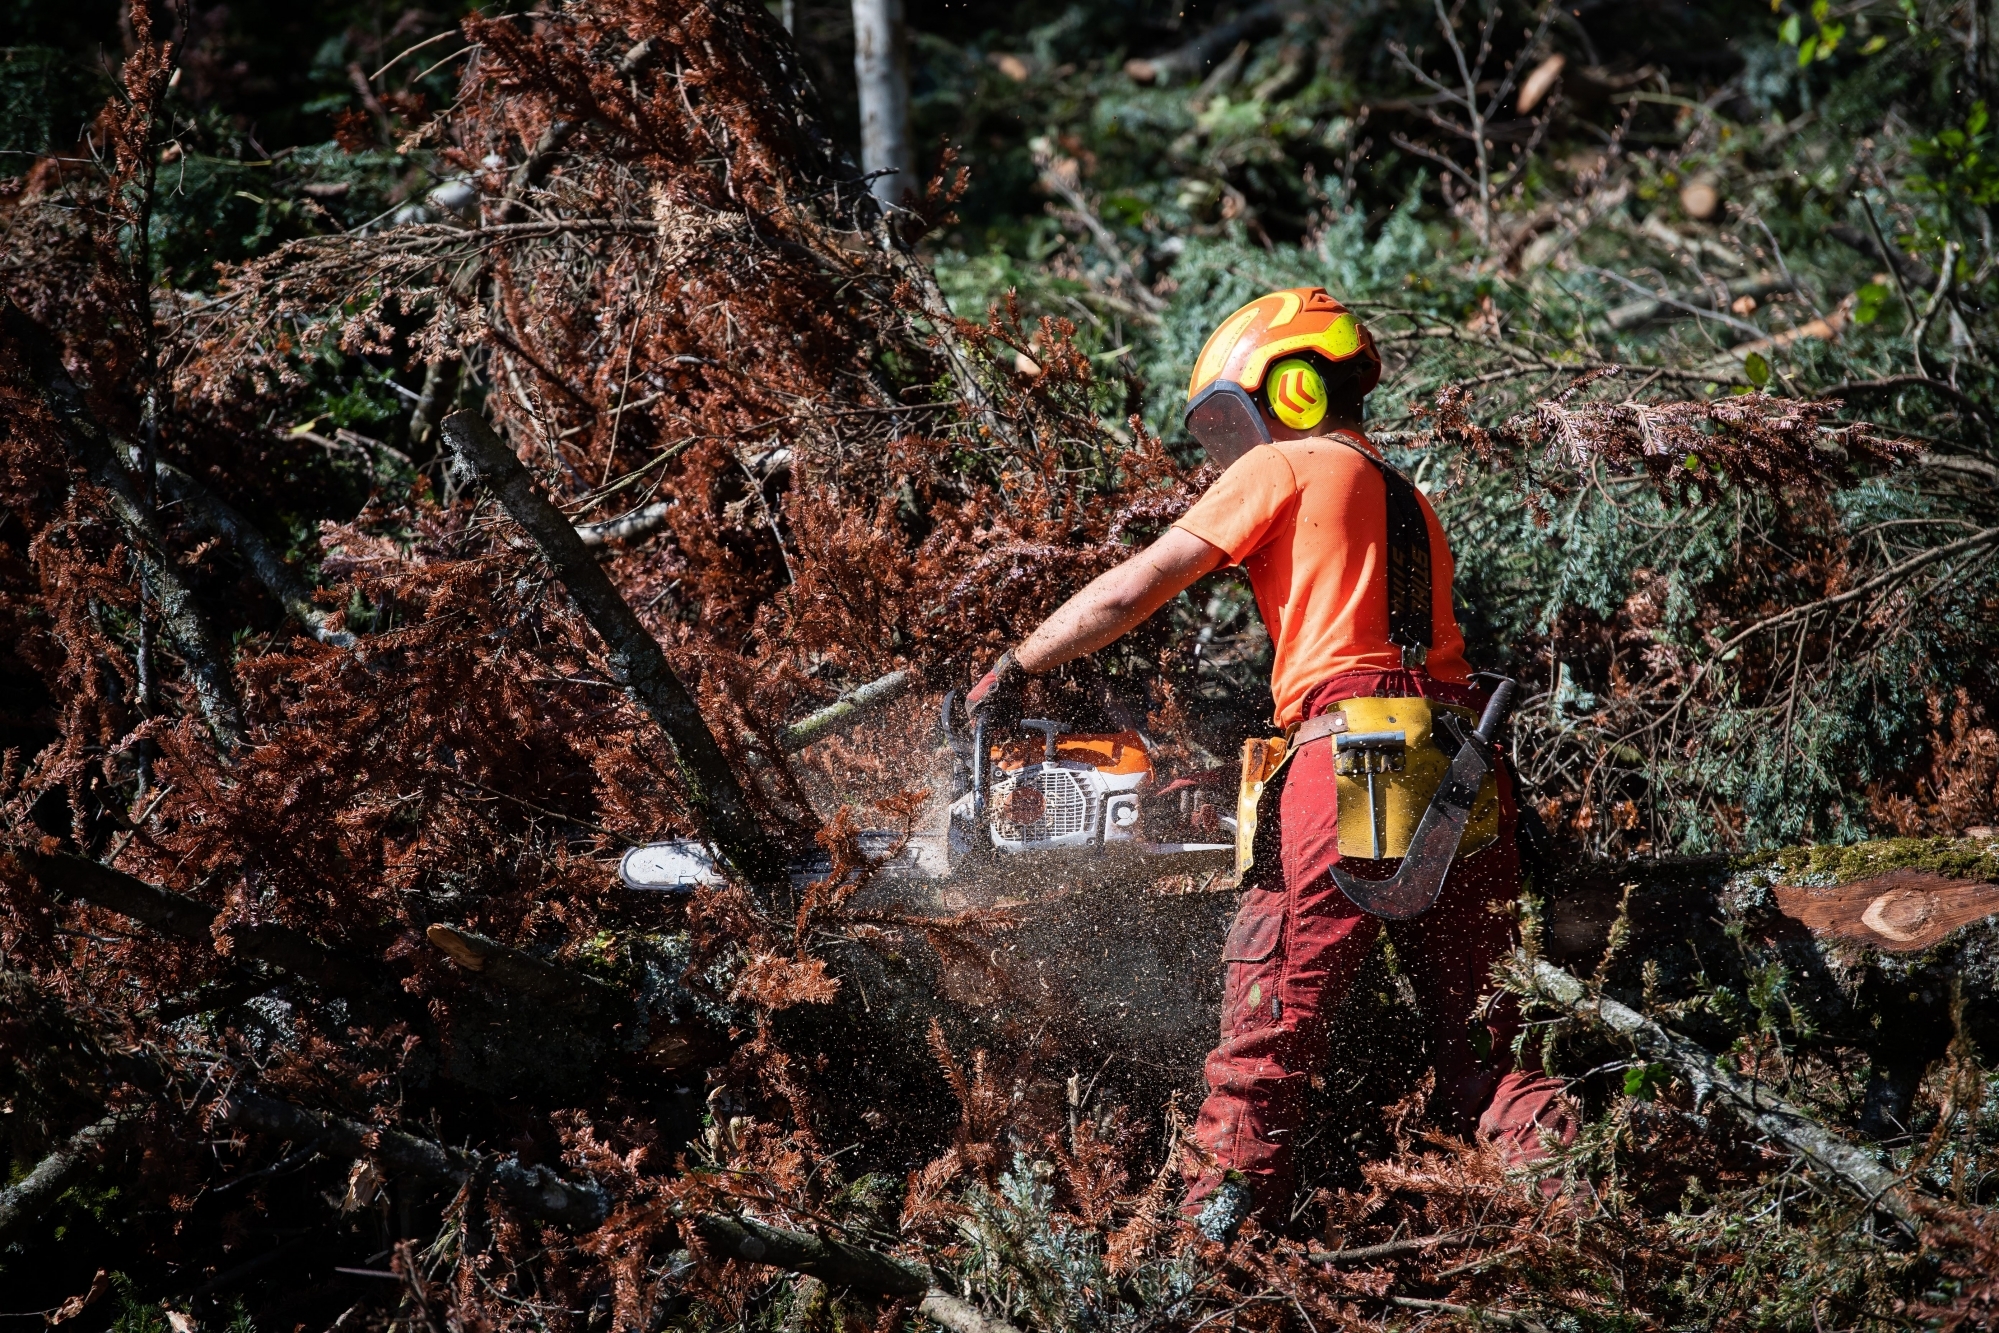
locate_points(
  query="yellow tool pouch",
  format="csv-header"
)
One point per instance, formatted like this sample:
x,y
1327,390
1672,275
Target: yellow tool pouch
x,y
1387,768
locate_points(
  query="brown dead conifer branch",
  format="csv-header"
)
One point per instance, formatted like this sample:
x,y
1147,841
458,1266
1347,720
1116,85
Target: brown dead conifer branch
x,y
88,443
633,655
1887,578
1762,1110
906,265
541,160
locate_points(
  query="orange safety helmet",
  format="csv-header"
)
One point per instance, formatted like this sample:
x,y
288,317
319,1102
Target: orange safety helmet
x,y
1276,358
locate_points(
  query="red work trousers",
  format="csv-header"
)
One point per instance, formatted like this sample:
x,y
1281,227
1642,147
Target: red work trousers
x,y
1297,944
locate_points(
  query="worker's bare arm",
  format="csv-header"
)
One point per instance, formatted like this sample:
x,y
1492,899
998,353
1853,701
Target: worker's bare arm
x,y
1119,601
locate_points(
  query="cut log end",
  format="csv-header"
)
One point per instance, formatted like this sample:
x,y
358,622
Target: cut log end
x,y
462,949
1903,911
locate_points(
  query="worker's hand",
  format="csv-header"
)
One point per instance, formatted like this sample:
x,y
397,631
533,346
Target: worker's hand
x,y
995,700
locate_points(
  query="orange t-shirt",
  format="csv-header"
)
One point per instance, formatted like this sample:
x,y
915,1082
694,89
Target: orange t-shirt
x,y
1308,520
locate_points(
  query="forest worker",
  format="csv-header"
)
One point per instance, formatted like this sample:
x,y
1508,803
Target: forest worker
x,y
1315,516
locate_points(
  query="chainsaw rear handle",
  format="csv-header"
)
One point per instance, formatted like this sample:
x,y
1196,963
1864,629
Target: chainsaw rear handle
x,y
1497,708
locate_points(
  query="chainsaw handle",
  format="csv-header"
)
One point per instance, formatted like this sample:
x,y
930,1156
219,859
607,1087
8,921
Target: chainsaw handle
x,y
1496,710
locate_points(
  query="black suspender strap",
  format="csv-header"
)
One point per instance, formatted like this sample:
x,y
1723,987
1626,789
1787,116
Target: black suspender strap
x,y
1409,609
1410,614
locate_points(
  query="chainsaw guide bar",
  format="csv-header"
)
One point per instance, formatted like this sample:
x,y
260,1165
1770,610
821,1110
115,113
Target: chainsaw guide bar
x,y
682,865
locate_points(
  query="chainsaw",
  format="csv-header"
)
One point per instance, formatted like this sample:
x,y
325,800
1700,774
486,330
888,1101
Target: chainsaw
x,y
1041,789
1065,801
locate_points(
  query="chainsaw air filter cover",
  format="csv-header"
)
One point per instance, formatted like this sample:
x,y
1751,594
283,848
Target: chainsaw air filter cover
x,y
1061,790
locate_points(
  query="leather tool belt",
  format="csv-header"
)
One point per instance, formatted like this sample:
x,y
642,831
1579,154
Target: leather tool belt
x,y
1389,762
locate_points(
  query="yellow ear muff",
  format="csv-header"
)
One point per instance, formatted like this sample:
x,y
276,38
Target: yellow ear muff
x,y
1297,393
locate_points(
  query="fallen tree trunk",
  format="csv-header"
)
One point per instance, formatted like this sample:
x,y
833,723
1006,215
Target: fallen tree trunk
x,y
834,1262
577,1022
511,969
1889,947
633,655
840,1264
593,1005
28,1198
1853,1168
539,1192
536,1191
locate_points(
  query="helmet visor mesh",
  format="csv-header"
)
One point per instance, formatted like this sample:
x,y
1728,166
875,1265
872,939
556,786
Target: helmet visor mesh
x,y
1225,418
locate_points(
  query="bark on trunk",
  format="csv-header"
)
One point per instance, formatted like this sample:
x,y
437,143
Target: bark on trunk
x,y
633,655
574,1024
582,1206
28,1198
881,66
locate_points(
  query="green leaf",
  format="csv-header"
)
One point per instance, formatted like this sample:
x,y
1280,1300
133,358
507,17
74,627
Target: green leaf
x,y
1756,368
1788,34
1978,120
1807,49
1874,43
1830,37
1820,8
1867,302
1644,1081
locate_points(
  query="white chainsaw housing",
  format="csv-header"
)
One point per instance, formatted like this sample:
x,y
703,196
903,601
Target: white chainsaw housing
x,y
1079,807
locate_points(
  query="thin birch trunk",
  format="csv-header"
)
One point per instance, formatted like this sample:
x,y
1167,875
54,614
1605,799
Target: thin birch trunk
x,y
881,66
